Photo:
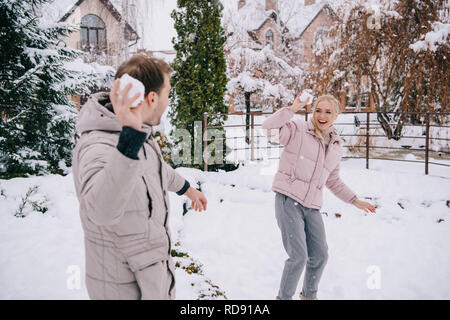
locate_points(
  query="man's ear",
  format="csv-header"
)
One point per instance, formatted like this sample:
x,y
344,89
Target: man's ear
x,y
150,99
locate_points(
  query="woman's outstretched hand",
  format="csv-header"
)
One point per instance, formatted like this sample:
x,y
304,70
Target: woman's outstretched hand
x,y
363,205
298,104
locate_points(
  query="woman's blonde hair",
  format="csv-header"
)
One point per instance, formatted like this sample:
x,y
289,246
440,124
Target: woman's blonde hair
x,y
334,102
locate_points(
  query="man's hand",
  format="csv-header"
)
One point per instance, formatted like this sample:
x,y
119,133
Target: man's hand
x,y
198,199
298,104
363,205
122,106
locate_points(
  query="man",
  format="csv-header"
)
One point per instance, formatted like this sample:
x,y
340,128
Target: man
x,y
121,181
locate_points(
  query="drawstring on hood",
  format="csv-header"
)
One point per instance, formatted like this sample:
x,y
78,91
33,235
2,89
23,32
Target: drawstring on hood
x,y
326,134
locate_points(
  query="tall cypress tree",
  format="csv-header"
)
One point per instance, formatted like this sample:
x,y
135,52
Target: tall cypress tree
x,y
199,79
37,125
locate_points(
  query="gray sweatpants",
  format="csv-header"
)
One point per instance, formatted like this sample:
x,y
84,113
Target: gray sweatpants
x,y
303,235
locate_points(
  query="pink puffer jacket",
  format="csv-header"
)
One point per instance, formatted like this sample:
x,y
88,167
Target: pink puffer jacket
x,y
304,166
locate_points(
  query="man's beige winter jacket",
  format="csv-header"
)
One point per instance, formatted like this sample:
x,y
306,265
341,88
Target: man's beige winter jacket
x,y
124,209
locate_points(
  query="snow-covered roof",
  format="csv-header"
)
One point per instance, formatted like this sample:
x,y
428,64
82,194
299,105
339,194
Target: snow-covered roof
x,y
293,14
298,19
57,10
249,17
112,5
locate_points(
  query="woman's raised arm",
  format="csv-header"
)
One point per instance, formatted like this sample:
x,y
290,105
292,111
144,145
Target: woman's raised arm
x,y
280,120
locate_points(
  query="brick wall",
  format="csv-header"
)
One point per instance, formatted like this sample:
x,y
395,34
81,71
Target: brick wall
x,y
322,20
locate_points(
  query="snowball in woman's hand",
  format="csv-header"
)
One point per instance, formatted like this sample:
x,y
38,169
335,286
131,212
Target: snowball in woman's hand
x,y
307,94
137,87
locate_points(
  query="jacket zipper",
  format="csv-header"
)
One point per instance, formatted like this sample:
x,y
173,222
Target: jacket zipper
x,y
164,193
292,173
292,176
315,167
150,206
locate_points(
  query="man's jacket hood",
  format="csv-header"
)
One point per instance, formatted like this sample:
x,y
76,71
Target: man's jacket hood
x,y
97,114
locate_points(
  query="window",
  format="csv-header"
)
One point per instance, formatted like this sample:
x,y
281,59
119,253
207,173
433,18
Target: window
x,y
322,34
320,41
351,100
93,34
269,37
365,100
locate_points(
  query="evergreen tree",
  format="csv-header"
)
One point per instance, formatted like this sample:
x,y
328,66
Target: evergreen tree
x,y
199,80
37,125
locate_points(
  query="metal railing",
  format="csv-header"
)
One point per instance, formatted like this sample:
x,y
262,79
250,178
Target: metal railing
x,y
427,123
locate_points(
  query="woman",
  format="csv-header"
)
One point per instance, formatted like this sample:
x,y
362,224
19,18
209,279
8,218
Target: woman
x,y
310,160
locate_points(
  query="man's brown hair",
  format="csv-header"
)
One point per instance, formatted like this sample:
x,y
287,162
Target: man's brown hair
x,y
150,71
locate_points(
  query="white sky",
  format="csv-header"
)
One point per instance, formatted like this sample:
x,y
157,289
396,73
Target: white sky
x,y
159,30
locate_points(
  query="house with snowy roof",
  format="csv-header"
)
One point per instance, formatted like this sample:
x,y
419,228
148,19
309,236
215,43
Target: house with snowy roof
x,y
267,25
310,26
276,23
99,22
263,28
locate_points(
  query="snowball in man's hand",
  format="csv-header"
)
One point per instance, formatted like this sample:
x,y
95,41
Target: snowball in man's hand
x,y
137,87
307,94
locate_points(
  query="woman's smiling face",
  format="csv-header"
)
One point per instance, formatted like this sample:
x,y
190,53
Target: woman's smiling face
x,y
324,115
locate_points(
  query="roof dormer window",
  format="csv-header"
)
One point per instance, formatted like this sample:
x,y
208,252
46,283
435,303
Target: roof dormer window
x,y
269,37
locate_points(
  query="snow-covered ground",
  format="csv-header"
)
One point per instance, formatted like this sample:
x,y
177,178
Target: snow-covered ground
x,y
234,249
401,252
